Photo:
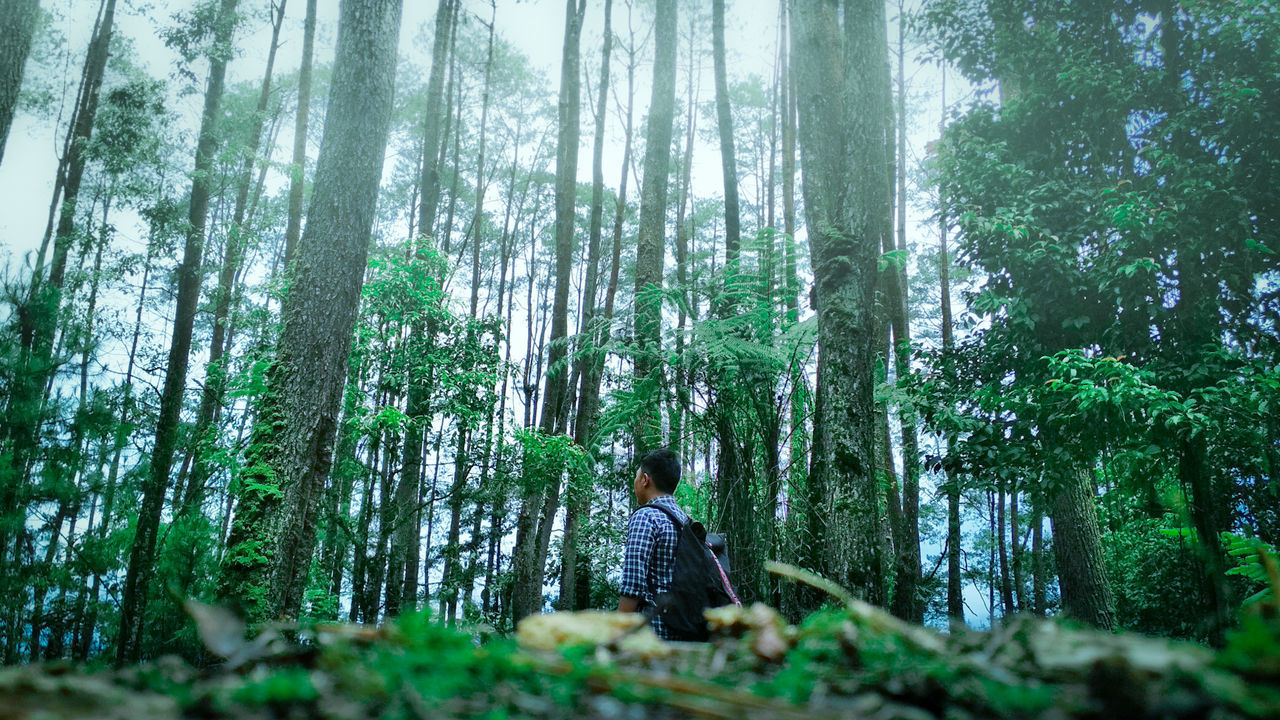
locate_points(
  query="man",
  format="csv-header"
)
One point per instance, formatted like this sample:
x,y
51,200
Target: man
x,y
649,561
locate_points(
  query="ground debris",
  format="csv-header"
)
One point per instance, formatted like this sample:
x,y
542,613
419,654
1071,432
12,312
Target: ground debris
x,y
852,661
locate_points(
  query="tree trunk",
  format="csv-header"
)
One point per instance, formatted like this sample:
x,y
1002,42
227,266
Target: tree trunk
x,y
845,150
1017,551
908,554
215,382
446,17
1006,579
404,555
298,168
1039,581
955,590
649,237
1077,548
529,558
17,27
728,157
142,556
589,393
271,542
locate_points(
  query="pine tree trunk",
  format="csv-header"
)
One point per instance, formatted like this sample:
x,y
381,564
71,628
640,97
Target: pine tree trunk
x,y
405,555
845,150
529,560
589,393
1017,551
17,27
649,237
298,168
724,121
215,383
291,452
142,556
908,554
955,590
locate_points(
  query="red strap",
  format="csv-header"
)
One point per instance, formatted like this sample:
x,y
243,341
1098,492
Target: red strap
x,y
724,578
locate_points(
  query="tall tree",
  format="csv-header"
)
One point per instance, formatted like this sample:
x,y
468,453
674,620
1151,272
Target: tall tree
x,y
142,555
298,166
651,232
408,523
17,26
589,394
272,538
27,402
840,51
907,603
215,383
539,505
955,590
724,120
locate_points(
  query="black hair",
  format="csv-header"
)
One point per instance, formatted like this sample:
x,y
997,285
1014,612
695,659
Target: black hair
x,y
664,467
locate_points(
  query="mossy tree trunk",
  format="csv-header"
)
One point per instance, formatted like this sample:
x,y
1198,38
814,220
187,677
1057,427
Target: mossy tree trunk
x,y
271,540
841,71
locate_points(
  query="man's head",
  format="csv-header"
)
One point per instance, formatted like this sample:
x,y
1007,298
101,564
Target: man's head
x,y
658,474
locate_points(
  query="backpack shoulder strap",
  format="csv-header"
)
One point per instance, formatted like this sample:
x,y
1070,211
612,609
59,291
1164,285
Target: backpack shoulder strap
x,y
666,511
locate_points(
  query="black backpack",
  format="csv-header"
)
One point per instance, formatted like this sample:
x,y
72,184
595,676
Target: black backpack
x,y
696,583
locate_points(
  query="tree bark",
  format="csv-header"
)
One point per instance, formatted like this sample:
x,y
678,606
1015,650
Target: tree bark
x,y
589,392
271,541
215,382
142,555
955,590
298,168
650,234
908,597
1077,548
17,27
728,156
841,70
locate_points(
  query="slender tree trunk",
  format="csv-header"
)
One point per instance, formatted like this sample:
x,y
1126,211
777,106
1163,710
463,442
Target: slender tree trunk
x,y
1006,578
1039,581
908,574
681,374
589,394
298,168
404,556
955,590
845,151
215,383
724,120
649,239
1016,551
446,17
142,556
271,542
529,559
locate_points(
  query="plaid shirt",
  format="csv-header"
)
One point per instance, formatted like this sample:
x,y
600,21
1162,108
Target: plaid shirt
x,y
649,561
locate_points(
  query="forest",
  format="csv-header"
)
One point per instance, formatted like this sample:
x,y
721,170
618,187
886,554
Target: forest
x,y
359,314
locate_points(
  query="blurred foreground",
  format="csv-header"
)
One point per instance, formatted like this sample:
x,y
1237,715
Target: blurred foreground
x,y
855,661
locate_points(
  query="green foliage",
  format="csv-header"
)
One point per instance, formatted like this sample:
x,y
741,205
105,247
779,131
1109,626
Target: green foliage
x,y
1255,561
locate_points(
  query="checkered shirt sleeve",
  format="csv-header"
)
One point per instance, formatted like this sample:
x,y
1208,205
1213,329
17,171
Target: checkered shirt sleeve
x,y
642,531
